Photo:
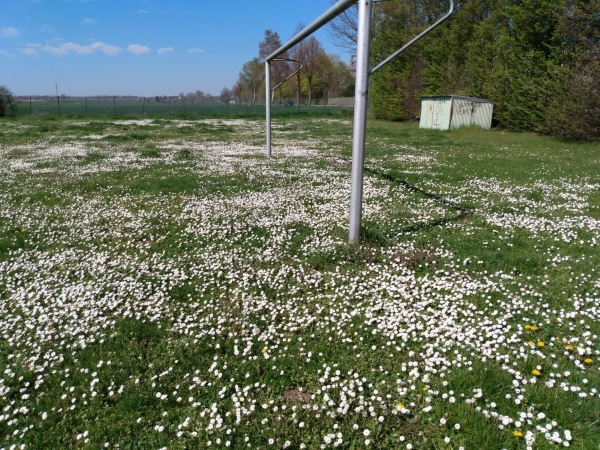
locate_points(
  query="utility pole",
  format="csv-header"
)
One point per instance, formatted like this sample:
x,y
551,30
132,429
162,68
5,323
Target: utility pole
x,y
57,97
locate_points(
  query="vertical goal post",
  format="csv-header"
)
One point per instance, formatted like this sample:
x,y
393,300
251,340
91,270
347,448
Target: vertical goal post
x,y
363,72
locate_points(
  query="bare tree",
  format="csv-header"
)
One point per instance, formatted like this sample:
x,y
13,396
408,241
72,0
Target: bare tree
x,y
237,91
279,69
344,29
225,95
269,44
309,52
295,54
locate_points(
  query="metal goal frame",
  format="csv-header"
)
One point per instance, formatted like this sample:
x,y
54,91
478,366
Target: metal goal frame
x,y
363,72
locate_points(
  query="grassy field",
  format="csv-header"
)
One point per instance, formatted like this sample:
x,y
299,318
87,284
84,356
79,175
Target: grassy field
x,y
164,285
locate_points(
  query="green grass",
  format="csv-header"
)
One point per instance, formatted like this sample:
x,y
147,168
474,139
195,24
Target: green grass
x,y
163,284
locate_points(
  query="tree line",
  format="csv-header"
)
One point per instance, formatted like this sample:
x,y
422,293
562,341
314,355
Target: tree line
x,y
322,74
537,60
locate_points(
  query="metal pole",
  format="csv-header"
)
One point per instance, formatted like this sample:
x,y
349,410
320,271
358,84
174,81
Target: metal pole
x,y
361,102
268,105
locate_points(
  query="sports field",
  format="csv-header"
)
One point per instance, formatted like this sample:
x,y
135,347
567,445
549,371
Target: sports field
x,y
165,285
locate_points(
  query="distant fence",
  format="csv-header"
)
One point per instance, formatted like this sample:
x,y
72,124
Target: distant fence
x,y
85,106
340,101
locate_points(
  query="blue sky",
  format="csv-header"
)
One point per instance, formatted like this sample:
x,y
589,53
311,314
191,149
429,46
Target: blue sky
x,y
140,47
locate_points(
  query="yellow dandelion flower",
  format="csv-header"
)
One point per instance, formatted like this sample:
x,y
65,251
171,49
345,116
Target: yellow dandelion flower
x,y
569,347
399,406
264,350
536,372
540,343
22,229
425,389
529,342
517,433
588,360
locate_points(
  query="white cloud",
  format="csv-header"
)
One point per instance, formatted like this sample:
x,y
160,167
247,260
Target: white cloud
x,y
5,53
88,21
109,50
68,48
137,49
164,50
9,32
195,50
31,50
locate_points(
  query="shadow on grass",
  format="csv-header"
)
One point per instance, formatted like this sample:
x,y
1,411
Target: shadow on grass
x,y
462,211
431,224
418,190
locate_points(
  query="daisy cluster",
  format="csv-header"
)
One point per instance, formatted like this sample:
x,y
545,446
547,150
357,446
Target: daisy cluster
x,y
231,312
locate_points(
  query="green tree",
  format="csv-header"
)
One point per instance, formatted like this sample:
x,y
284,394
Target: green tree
x,y
575,114
575,110
445,50
337,77
7,102
395,88
513,59
251,77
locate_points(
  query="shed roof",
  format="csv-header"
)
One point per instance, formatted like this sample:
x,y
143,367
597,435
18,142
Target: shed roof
x,y
459,97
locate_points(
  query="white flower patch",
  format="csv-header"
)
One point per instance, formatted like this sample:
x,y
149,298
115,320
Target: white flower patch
x,y
258,279
564,230
138,122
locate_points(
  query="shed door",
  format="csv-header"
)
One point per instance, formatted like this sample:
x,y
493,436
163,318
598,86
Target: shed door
x,y
435,113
